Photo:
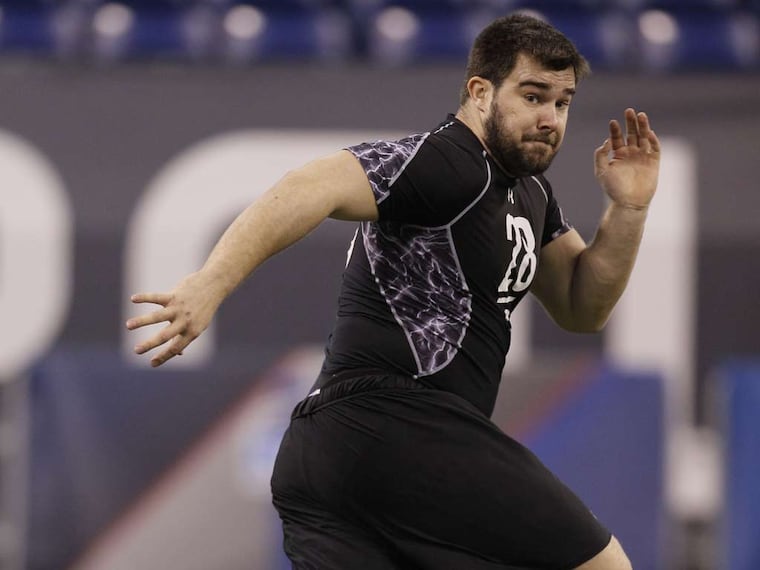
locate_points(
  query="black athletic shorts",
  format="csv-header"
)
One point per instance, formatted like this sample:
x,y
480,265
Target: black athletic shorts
x,y
381,473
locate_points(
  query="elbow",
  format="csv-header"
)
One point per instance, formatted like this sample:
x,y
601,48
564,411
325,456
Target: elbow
x,y
593,327
581,316
586,324
583,328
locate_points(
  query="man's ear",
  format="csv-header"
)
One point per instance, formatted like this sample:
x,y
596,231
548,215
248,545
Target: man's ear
x,y
481,92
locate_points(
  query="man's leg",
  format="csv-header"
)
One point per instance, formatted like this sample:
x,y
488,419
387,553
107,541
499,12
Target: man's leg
x,y
322,542
425,479
611,558
316,537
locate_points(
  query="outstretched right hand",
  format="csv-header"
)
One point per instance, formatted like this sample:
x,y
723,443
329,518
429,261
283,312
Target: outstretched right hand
x,y
188,309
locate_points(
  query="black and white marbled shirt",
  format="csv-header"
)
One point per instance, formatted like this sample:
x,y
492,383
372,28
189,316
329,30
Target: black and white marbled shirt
x,y
429,287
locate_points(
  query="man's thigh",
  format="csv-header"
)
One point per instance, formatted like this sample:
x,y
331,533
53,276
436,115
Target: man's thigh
x,y
445,476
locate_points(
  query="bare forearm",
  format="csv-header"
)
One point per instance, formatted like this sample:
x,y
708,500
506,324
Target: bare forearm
x,y
603,268
278,219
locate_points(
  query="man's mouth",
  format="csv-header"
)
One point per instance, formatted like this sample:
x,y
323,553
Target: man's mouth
x,y
545,140
541,142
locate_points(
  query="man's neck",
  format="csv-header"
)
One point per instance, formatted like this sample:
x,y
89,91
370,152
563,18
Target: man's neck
x,y
469,116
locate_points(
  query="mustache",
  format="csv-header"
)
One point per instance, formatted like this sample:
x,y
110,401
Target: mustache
x,y
550,139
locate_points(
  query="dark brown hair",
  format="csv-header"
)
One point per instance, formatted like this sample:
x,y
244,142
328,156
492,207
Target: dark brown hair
x,y
495,50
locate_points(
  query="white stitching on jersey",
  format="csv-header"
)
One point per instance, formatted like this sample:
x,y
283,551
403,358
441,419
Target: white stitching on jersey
x,y
546,196
403,166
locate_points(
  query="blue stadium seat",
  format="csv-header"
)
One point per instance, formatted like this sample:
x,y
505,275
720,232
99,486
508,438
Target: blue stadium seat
x,y
158,30
498,5
148,4
27,28
694,39
439,5
31,4
560,4
241,31
280,4
288,33
136,30
399,35
681,4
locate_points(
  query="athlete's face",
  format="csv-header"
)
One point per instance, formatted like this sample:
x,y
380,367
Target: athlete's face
x,y
528,115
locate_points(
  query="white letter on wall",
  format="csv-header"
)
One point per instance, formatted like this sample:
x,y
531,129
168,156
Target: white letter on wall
x,y
36,244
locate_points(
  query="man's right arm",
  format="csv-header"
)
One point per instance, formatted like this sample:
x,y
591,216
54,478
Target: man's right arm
x,y
335,186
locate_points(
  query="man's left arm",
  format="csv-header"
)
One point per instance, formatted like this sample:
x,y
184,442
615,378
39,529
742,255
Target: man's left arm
x,y
579,284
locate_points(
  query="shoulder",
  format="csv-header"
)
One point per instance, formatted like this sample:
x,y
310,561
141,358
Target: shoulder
x,y
388,153
451,156
426,178
450,142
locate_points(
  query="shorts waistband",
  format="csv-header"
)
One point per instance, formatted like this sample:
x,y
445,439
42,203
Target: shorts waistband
x,y
351,387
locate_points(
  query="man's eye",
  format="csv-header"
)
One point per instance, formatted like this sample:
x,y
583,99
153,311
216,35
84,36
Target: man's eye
x,y
531,98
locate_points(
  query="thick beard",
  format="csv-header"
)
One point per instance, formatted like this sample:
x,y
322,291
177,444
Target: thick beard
x,y
508,153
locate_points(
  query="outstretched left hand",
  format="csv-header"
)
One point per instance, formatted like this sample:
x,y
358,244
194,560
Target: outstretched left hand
x,y
627,167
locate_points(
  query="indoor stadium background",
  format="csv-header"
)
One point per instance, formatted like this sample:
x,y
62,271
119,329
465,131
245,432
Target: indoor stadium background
x,y
132,132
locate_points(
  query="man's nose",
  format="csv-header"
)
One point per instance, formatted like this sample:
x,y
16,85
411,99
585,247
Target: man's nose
x,y
548,118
